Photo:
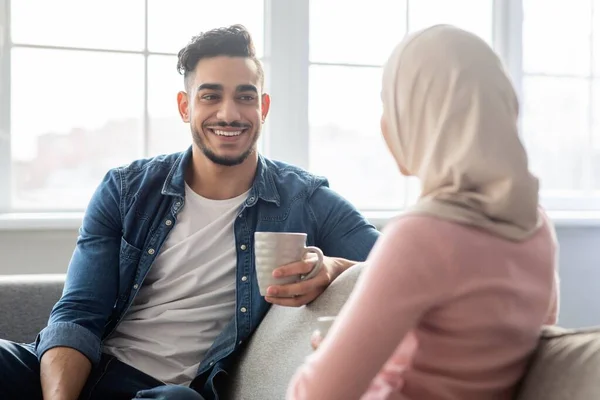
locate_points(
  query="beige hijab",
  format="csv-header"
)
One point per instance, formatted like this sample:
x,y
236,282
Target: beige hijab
x,y
451,114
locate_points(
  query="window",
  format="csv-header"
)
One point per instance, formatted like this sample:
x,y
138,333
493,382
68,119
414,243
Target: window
x,y
77,98
93,85
345,142
561,99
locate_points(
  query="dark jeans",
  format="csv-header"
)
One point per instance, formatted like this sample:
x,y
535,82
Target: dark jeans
x,y
110,379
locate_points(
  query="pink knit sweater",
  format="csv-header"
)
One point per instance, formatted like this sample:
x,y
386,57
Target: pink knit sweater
x,y
442,311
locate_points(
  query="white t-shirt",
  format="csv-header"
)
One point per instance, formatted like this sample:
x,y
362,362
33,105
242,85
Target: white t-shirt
x,y
187,297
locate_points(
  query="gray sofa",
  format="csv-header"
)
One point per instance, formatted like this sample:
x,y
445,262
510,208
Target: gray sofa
x,y
566,365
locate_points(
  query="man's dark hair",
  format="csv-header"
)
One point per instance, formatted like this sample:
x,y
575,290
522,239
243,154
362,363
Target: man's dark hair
x,y
232,41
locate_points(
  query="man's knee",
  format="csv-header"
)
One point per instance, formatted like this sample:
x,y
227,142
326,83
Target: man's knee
x,y
169,392
19,371
18,359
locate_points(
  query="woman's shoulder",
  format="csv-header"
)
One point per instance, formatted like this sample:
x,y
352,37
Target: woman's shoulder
x,y
422,235
420,225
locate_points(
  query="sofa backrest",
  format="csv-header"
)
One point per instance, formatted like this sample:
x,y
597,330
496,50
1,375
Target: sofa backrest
x,y
282,341
25,304
565,366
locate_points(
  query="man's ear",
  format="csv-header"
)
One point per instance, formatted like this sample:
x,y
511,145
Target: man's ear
x,y
183,106
266,104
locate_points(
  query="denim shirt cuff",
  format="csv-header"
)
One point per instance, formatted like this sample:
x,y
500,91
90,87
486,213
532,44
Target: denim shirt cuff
x,y
69,334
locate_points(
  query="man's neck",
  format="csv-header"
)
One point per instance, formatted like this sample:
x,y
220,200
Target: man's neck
x,y
219,182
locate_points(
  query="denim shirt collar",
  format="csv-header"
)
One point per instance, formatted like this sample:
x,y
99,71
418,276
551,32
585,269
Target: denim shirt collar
x,y
263,186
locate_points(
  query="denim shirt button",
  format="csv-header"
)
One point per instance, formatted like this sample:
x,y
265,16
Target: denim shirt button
x,y
243,247
168,222
136,286
150,251
211,363
243,309
244,278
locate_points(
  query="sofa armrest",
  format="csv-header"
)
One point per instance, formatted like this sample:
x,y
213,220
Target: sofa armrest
x,y
282,341
566,365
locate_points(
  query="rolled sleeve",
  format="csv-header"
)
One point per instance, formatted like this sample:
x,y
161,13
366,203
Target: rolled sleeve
x,y
79,319
343,231
68,334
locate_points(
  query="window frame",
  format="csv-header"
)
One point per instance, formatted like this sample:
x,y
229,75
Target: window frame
x,y
286,25
5,142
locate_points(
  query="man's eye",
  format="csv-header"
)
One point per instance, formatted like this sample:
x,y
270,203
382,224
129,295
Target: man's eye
x,y
247,98
210,97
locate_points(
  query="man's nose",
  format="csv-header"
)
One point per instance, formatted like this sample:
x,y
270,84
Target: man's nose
x,y
228,111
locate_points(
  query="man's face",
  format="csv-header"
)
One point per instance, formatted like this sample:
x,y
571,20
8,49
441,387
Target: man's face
x,y
225,108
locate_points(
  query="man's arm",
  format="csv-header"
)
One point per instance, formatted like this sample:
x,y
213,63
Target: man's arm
x,y
71,343
342,231
344,236
63,373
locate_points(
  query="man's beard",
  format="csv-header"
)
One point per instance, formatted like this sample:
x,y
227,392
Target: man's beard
x,y
220,160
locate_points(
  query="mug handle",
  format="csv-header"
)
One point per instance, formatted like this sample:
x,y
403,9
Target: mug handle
x,y
318,265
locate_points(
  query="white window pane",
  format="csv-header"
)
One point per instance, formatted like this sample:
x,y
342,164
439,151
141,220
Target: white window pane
x,y
168,133
173,23
556,36
112,24
556,127
86,119
596,27
472,15
596,134
345,142
355,34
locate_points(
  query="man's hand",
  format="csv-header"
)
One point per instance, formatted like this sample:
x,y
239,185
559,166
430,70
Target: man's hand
x,y
303,292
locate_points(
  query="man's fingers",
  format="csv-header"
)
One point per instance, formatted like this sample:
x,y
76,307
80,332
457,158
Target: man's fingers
x,y
290,301
291,289
298,293
296,268
298,288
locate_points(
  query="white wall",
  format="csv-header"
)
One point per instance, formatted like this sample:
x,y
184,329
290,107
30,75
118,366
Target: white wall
x,y
49,251
36,251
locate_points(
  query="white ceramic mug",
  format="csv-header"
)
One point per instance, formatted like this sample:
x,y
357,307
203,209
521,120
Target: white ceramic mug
x,y
275,249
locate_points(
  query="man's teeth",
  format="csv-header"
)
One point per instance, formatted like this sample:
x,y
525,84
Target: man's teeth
x,y
227,133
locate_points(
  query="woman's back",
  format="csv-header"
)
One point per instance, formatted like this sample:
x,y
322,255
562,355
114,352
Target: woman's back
x,y
476,343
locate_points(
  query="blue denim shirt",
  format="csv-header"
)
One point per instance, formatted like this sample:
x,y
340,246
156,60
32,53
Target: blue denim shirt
x,y
129,218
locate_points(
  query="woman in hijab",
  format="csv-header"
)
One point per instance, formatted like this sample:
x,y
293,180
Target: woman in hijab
x,y
458,287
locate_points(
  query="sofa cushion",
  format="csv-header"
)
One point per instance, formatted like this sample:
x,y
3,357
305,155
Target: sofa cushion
x,y
282,341
25,304
565,366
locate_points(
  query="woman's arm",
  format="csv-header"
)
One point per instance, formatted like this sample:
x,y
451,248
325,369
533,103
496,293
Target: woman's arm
x,y
404,279
553,311
552,318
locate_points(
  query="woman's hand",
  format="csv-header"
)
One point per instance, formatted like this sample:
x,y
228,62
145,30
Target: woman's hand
x,y
315,340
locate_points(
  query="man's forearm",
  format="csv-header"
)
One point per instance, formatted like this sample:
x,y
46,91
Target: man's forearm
x,y
63,373
341,264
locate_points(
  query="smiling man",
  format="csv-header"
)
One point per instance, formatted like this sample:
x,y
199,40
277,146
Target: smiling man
x,y
161,291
